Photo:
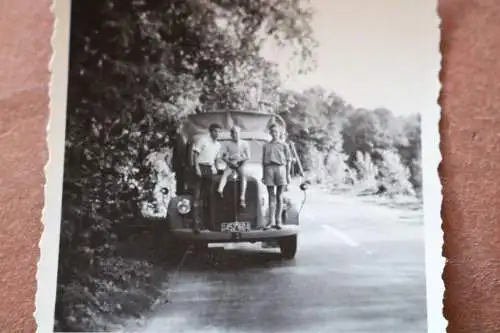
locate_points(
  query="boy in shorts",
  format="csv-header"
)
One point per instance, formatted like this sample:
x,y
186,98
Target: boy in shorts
x,y
235,153
276,161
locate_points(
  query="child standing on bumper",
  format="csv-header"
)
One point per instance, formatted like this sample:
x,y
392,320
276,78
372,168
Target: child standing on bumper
x,y
276,162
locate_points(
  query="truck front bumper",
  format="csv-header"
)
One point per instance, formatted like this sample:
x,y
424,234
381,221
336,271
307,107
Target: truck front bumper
x,y
233,237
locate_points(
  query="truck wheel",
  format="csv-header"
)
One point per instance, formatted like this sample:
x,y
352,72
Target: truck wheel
x,y
176,249
288,247
200,247
160,240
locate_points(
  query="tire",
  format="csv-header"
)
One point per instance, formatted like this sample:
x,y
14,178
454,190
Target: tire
x,y
160,241
288,247
175,249
200,247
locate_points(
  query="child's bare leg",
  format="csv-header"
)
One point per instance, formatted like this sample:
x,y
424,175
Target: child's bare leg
x,y
243,178
279,206
223,180
272,206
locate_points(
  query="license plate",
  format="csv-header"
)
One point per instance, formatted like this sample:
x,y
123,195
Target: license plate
x,y
235,227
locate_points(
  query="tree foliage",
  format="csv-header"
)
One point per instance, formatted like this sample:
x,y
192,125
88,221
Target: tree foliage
x,y
374,149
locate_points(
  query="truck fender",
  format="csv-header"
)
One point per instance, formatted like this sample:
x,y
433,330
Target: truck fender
x,y
291,215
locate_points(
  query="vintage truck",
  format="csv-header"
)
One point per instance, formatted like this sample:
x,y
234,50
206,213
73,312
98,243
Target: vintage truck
x,y
227,221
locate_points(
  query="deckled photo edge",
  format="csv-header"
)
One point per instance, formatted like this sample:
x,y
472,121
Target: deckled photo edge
x,y
51,214
432,193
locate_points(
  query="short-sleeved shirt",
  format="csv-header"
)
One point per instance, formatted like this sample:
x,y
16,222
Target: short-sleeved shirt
x,y
236,151
208,150
276,152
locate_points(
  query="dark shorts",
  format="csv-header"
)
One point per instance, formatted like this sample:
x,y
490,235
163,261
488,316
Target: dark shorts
x,y
237,166
206,171
275,175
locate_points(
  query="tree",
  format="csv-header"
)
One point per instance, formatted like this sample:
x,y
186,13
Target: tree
x,y
366,171
393,175
335,158
411,153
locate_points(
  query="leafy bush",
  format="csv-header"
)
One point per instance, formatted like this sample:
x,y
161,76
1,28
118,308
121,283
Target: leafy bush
x,y
366,172
123,289
393,175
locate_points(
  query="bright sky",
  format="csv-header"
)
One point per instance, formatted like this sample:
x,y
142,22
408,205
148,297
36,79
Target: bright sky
x,y
375,53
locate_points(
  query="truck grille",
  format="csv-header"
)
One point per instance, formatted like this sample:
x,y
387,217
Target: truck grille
x,y
227,208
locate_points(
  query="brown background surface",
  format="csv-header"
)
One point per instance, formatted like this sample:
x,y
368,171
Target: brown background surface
x,y
470,170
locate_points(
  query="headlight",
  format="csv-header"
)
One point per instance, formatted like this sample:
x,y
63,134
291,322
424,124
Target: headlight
x,y
184,206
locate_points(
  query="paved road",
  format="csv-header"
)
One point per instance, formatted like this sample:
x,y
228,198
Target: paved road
x,y
359,268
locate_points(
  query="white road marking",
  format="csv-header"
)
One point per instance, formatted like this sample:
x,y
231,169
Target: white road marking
x,y
340,235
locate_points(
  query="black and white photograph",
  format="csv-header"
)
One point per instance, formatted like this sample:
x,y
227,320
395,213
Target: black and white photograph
x,y
243,166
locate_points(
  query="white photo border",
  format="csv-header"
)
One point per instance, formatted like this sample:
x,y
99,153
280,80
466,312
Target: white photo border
x,y
45,297
49,243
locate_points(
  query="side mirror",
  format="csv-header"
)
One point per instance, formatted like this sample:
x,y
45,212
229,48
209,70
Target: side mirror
x,y
305,185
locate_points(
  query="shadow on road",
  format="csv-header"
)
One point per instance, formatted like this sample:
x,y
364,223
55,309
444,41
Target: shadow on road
x,y
235,260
